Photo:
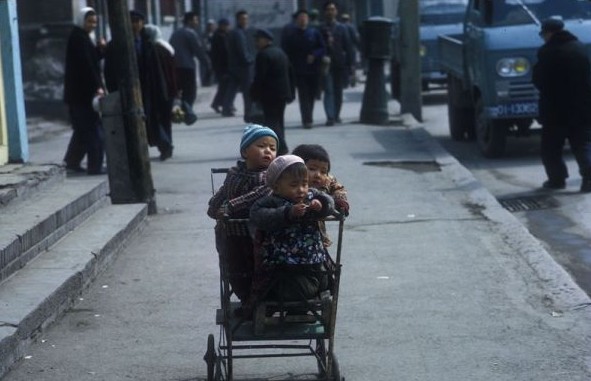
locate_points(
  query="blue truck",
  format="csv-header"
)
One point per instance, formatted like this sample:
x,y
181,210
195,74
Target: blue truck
x,y
436,17
489,66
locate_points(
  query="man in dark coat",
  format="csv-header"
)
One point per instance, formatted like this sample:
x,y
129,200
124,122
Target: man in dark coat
x,y
241,54
305,48
563,77
342,56
82,82
273,84
219,60
188,45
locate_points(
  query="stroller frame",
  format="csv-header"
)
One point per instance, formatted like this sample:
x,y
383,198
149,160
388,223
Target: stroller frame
x,y
274,322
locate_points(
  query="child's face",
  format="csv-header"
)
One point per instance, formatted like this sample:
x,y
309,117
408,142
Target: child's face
x,y
317,173
291,188
260,153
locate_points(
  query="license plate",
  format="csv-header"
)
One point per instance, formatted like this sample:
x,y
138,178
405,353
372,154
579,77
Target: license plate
x,y
513,109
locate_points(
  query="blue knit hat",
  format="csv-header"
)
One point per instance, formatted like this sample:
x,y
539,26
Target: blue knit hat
x,y
253,132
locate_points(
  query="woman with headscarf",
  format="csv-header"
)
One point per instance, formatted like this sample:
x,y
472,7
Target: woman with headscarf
x,y
164,73
82,82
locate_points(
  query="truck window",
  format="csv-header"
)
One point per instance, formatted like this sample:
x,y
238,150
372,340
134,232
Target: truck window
x,y
512,12
437,12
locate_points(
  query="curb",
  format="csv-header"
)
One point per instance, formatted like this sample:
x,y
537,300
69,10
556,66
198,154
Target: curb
x,y
562,292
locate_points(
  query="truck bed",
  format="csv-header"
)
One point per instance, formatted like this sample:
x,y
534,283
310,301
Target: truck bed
x,y
451,51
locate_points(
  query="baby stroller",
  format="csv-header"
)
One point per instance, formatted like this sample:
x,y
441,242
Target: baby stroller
x,y
277,328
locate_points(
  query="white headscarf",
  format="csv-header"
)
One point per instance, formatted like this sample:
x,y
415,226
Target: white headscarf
x,y
155,35
82,16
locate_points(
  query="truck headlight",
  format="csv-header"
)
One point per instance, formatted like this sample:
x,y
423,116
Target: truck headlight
x,y
513,67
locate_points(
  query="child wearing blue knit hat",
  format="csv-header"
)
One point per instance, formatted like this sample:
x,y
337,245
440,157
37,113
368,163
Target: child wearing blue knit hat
x,y
244,184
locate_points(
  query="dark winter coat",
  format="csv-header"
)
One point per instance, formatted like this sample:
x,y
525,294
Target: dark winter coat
x,y
188,45
219,52
303,42
153,82
273,79
287,240
241,53
82,76
339,46
563,77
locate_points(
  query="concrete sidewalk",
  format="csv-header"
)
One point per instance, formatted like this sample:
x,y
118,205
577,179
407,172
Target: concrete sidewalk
x,y
439,281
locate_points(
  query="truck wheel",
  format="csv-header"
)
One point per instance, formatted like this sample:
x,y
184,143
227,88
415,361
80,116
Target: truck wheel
x,y
490,134
461,119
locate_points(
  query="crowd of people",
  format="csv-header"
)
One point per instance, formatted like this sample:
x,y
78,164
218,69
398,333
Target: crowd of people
x,y
315,59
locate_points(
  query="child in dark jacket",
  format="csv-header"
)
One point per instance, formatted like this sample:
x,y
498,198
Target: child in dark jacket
x,y
244,184
288,234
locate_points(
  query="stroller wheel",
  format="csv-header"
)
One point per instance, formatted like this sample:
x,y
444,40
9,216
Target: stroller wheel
x,y
210,357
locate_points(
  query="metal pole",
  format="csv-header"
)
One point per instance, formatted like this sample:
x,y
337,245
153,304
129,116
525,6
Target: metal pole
x,y
131,104
410,60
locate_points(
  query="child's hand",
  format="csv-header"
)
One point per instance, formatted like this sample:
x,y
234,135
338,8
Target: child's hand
x,y
315,205
220,213
298,210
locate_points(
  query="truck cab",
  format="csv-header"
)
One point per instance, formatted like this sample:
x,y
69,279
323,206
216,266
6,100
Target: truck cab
x,y
489,66
436,17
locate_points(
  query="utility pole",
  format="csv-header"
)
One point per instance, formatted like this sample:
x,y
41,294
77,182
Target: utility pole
x,y
140,175
410,59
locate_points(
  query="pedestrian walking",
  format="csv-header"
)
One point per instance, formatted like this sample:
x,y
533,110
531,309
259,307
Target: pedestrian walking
x,y
82,83
241,55
341,54
288,29
187,47
164,56
153,83
273,84
219,60
356,44
562,74
305,48
206,72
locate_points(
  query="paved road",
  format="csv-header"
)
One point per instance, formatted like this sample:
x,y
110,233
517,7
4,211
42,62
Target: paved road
x,y
561,220
439,282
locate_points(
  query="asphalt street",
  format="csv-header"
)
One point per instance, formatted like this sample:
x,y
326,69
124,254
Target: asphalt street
x,y
559,219
439,281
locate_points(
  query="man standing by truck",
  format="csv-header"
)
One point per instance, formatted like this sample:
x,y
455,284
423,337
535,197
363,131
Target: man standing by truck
x,y
563,77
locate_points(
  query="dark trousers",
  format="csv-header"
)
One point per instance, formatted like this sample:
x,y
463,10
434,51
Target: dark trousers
x,y
187,84
222,90
274,111
239,83
87,139
553,139
165,127
333,94
307,86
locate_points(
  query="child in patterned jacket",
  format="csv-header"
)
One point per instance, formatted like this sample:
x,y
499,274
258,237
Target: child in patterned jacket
x,y
244,184
287,233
